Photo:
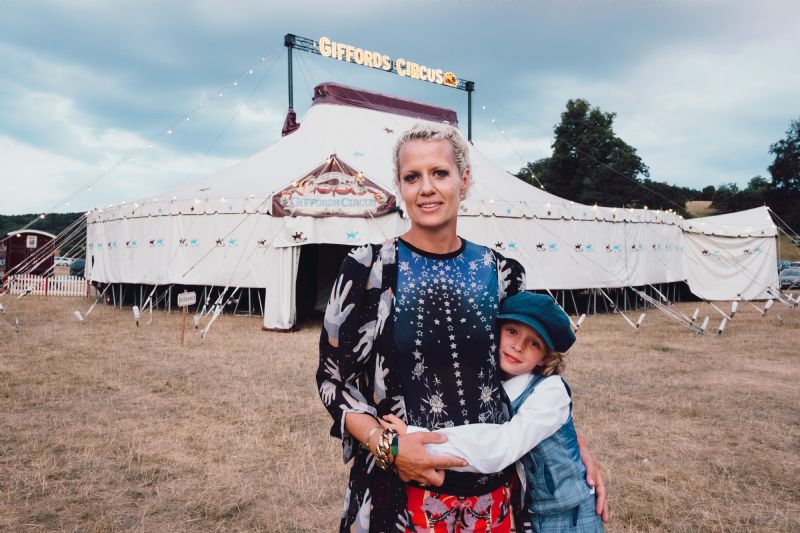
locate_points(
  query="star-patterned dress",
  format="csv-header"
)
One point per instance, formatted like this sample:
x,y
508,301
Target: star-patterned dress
x,y
432,364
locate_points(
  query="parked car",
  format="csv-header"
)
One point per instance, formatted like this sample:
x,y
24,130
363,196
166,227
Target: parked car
x,y
63,261
77,268
790,278
783,264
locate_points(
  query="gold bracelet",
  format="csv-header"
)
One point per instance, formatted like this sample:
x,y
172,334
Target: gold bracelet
x,y
372,431
383,455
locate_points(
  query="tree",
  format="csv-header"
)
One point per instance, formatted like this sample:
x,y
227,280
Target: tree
x,y
784,196
724,199
590,164
707,193
785,169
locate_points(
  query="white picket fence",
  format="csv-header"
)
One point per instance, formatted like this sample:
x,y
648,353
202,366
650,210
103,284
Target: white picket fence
x,y
49,286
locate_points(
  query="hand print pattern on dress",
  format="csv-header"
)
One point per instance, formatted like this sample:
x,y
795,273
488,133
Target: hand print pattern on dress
x,y
335,314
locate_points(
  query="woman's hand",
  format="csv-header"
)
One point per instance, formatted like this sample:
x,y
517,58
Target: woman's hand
x,y
595,479
414,463
392,422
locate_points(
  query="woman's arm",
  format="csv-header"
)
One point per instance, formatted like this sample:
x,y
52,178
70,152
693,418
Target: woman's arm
x,y
492,447
594,479
340,363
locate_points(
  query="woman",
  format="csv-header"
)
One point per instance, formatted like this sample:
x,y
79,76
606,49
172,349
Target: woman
x,y
410,331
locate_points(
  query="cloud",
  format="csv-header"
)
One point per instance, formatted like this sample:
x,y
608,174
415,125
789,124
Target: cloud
x,y
700,88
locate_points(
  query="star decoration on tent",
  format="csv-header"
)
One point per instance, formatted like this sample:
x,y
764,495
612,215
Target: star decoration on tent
x,y
388,130
352,235
356,153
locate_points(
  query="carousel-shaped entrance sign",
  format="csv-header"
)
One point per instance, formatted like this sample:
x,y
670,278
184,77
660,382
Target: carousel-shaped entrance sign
x,y
333,189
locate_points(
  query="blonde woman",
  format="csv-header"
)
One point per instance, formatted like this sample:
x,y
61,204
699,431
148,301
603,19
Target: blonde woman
x,y
410,331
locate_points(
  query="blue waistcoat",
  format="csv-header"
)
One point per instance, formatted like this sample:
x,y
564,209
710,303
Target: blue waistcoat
x,y
555,475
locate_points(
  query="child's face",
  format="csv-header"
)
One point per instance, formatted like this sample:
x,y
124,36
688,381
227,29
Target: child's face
x,y
521,348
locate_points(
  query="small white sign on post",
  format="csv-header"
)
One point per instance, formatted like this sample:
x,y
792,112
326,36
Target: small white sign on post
x,y
185,299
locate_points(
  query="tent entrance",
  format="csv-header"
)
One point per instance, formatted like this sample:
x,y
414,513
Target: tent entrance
x,y
316,273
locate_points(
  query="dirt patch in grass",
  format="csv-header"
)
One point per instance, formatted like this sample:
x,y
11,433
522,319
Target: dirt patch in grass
x,y
109,427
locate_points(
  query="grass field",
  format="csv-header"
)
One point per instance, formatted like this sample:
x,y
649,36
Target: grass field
x,y
787,249
108,427
700,208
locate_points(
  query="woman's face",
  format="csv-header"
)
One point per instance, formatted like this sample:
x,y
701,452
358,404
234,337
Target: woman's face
x,y
430,183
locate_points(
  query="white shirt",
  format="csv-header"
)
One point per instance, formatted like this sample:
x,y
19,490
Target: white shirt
x,y
492,447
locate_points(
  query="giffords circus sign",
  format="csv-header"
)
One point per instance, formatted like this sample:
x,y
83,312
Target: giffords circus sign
x,y
370,58
333,189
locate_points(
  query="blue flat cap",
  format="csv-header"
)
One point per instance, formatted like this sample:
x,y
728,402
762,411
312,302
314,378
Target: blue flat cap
x,y
540,312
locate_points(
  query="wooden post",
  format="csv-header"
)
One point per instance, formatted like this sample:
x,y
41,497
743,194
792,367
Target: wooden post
x,y
185,299
183,327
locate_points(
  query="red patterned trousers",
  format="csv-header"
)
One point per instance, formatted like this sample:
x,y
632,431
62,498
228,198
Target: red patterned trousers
x,y
432,512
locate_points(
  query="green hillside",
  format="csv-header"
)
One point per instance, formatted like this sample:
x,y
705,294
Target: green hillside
x,y
53,223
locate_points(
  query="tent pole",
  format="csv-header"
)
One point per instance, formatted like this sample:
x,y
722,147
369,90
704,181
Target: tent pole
x,y
470,86
249,303
288,42
574,304
236,307
169,299
260,303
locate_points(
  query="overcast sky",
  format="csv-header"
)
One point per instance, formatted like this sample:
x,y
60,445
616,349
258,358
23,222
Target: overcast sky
x,y
700,88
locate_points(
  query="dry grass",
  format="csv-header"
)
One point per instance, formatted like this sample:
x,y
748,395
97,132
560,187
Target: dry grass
x,y
700,208
788,250
106,427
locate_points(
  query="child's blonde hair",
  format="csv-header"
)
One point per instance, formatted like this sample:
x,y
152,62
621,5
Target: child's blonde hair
x,y
552,364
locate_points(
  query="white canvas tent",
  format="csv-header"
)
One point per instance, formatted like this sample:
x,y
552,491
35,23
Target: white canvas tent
x,y
331,181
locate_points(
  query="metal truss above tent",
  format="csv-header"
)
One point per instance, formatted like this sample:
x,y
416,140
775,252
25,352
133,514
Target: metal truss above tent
x,y
378,61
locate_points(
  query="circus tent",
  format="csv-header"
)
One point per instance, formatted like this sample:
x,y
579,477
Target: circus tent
x,y
330,182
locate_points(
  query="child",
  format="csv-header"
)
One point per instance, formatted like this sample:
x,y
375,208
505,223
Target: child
x,y
534,334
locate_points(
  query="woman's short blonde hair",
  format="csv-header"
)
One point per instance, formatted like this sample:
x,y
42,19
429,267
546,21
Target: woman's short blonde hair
x,y
435,132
